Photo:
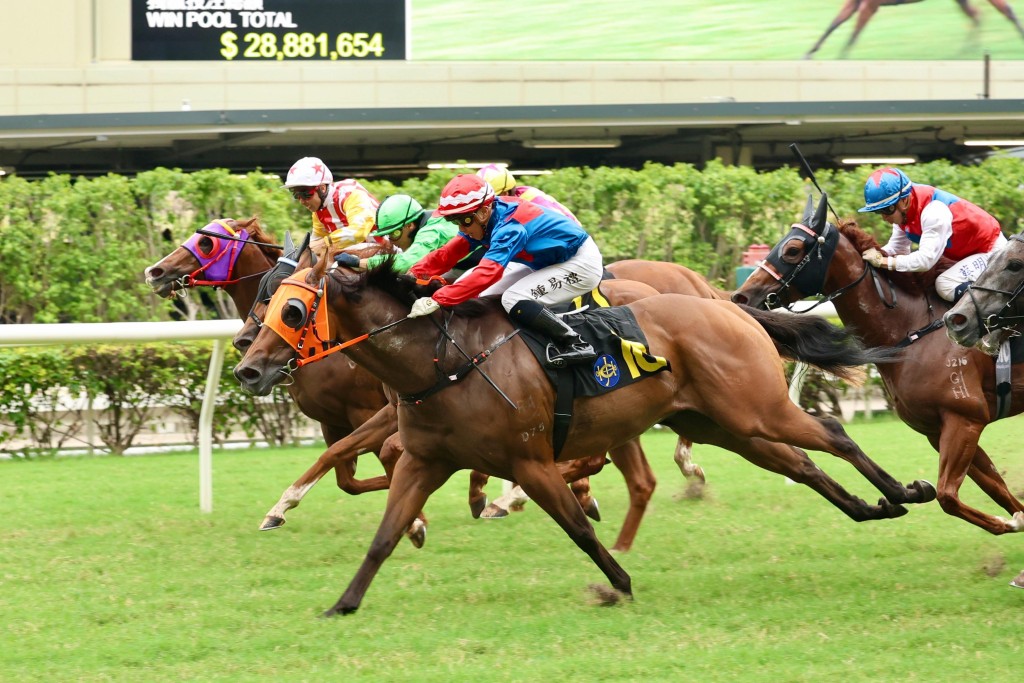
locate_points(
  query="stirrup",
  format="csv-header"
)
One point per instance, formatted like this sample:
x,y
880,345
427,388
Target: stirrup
x,y
552,353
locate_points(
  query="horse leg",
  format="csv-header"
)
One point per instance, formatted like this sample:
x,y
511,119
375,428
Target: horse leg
x,y
790,462
1004,8
390,452
477,495
542,481
793,426
847,10
413,482
345,472
693,472
640,482
984,473
867,10
368,436
572,471
958,444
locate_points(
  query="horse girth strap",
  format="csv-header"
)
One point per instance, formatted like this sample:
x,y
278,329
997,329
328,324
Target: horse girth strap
x,y
445,380
564,398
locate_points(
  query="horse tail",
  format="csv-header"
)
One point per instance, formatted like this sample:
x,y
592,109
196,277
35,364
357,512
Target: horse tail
x,y
817,342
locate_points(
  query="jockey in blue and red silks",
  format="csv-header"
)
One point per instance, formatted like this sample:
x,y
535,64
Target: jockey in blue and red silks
x,y
941,224
535,257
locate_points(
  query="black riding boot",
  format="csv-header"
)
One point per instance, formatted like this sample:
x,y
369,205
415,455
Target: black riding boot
x,y
568,348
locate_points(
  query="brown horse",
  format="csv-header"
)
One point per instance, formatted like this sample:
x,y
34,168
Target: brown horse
x,y
992,307
939,389
340,396
865,9
725,386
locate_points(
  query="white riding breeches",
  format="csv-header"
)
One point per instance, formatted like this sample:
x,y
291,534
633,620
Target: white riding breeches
x,y
964,270
551,285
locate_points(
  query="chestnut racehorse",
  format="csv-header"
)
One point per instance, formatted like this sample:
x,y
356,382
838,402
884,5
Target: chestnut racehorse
x,y
724,387
939,389
629,458
865,9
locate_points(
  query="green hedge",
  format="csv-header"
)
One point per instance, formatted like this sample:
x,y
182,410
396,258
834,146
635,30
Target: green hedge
x,y
45,392
73,250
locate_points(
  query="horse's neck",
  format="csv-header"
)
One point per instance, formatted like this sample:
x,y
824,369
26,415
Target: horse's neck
x,y
248,271
862,307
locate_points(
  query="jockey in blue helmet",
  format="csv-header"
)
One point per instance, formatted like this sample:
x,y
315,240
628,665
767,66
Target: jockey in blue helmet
x,y
941,224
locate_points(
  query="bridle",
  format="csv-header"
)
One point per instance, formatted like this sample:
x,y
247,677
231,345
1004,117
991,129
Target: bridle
x,y
218,262
1002,319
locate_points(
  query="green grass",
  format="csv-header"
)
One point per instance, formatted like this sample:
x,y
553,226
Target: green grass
x,y
701,30
108,572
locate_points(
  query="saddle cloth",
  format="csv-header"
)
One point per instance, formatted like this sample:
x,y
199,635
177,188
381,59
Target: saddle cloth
x,y
621,346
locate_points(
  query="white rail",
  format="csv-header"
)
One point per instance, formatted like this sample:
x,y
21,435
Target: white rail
x,y
121,333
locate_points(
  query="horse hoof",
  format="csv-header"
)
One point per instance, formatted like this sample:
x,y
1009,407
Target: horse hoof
x,y
477,506
272,522
336,610
1018,582
925,490
892,511
492,511
593,511
417,533
606,596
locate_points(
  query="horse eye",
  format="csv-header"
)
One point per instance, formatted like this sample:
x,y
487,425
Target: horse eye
x,y
793,252
293,314
1015,265
205,245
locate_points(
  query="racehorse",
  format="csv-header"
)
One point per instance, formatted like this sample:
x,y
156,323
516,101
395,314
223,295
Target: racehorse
x,y
340,396
992,307
866,9
940,390
629,457
722,388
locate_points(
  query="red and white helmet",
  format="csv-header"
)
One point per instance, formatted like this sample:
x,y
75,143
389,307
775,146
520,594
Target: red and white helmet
x,y
308,172
465,193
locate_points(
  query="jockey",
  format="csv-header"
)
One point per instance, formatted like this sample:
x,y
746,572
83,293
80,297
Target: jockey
x,y
411,228
940,223
504,184
534,257
343,211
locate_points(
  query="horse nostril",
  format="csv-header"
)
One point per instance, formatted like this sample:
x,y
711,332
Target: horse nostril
x,y
738,298
242,345
153,272
246,374
955,320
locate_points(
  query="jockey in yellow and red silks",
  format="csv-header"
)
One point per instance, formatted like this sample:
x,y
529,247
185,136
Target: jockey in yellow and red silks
x,y
343,211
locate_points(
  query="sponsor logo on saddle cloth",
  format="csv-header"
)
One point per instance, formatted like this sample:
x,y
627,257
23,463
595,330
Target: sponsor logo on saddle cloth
x,y
623,357
308,333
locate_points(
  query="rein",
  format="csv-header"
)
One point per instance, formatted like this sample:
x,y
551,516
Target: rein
x,y
204,231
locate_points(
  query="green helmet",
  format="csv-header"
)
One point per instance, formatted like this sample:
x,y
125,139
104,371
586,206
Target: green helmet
x,y
394,212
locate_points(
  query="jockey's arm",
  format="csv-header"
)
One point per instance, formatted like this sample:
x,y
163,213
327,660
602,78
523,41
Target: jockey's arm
x,y
442,260
898,242
936,230
360,210
482,276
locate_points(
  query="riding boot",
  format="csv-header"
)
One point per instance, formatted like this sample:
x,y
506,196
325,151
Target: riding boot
x,y
568,347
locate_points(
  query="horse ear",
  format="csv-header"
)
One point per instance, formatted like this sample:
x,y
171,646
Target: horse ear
x,y
289,246
808,211
821,215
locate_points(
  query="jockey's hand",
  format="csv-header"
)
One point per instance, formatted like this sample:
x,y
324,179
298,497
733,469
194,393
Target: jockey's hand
x,y
423,306
346,259
874,257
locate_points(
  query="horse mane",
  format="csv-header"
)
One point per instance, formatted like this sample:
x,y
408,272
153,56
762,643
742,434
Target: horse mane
x,y
257,233
922,283
398,286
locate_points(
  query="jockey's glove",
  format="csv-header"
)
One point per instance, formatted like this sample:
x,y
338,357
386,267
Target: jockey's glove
x,y
874,257
423,306
346,259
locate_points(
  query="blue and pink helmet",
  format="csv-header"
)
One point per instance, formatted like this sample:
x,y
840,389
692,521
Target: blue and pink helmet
x,y
885,187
